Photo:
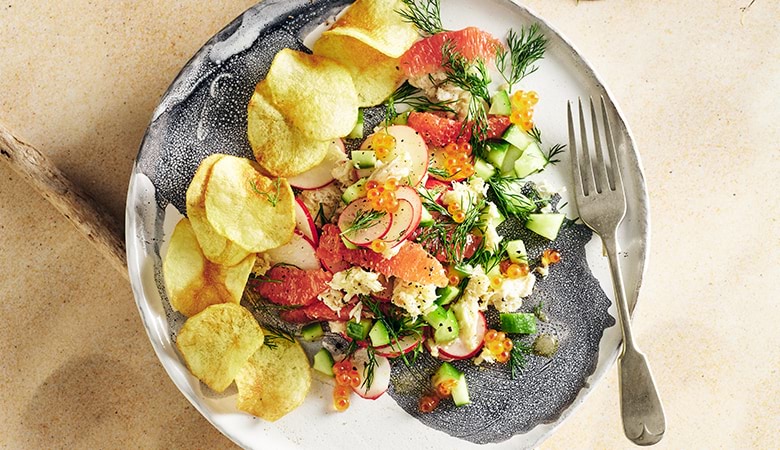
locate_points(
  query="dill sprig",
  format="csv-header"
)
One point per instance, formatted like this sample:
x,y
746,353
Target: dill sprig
x,y
536,134
425,15
509,197
517,357
321,216
370,367
525,49
273,195
415,99
554,151
398,327
472,77
364,219
274,334
489,259
446,234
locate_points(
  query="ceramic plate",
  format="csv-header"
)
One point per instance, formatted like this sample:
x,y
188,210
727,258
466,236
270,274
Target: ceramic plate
x,y
204,112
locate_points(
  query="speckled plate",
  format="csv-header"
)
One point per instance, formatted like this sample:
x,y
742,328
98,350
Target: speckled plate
x,y
204,112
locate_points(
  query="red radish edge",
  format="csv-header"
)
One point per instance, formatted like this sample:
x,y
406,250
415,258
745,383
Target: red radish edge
x,y
368,235
406,345
305,223
381,379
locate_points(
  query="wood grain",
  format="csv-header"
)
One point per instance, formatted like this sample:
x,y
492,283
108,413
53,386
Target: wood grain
x,y
75,204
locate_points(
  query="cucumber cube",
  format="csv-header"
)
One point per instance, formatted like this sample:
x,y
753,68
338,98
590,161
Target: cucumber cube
x,y
426,219
496,153
357,132
378,334
517,137
312,332
482,169
447,294
354,191
518,323
516,251
531,161
363,159
500,104
460,393
545,225
323,362
358,330
508,165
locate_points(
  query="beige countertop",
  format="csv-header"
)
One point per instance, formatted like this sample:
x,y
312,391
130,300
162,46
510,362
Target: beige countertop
x,y
698,82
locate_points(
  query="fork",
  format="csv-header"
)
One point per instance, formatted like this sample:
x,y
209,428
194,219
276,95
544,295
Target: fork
x,y
598,192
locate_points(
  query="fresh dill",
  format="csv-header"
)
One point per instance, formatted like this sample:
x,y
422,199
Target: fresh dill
x,y
273,195
446,235
472,77
398,327
517,358
510,200
263,279
489,259
536,134
415,99
369,368
273,335
363,220
555,150
321,216
525,49
425,15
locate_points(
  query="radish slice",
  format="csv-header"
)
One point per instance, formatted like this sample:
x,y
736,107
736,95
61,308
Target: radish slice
x,y
408,140
405,345
366,236
299,252
304,222
411,196
458,349
402,221
322,174
381,372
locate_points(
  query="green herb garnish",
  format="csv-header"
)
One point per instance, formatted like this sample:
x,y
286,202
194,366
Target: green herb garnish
x,y
524,50
425,15
517,357
364,219
273,195
398,327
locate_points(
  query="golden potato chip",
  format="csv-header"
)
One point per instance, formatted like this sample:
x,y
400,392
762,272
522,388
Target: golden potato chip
x,y
275,380
250,209
375,74
314,93
192,281
217,342
280,148
378,25
216,247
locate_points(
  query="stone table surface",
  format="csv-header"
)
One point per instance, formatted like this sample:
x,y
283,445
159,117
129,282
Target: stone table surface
x,y
699,83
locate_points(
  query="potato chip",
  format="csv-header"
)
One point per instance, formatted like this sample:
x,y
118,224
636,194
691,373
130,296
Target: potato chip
x,y
314,93
217,248
217,342
375,74
280,148
275,380
250,209
192,281
378,25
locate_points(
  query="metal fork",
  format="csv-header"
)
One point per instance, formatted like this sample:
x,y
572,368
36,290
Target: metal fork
x,y
602,205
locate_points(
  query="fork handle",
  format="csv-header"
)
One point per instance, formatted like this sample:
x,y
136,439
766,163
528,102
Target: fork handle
x,y
640,406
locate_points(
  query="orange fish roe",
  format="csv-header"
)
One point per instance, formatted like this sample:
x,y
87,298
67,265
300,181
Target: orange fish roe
x,y
428,403
378,246
347,376
498,344
382,144
458,159
550,256
523,103
517,270
382,196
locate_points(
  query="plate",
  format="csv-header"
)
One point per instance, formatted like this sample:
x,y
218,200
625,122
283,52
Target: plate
x,y
204,112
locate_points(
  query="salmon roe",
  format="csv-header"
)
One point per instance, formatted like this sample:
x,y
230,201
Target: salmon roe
x,y
499,345
458,159
523,103
550,256
382,195
379,246
517,270
347,377
382,143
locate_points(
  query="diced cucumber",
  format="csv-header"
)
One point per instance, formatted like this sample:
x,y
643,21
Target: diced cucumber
x,y
491,217
323,362
363,159
482,169
378,334
546,225
516,251
358,330
348,244
517,137
508,165
531,161
312,332
354,191
357,132
402,118
518,323
497,152
500,104
447,294
444,323
460,393
426,219
463,270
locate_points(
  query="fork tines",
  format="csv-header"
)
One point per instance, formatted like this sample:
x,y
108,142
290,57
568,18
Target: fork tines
x,y
603,175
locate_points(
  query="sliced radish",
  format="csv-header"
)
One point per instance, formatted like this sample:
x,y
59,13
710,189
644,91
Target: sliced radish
x,y
366,236
433,184
322,174
304,222
402,222
458,349
381,378
299,252
401,347
408,140
410,195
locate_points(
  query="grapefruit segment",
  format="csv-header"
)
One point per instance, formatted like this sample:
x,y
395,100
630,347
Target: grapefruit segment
x,y
291,286
438,131
426,57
